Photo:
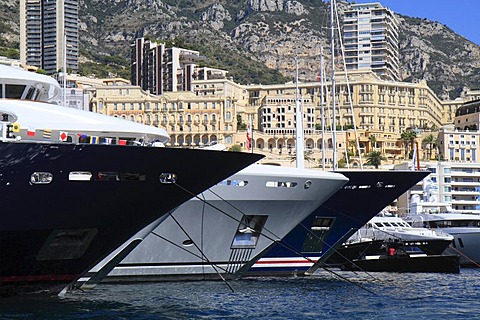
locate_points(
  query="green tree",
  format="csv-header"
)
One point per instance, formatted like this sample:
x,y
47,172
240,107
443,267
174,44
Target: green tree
x,y
407,138
240,124
306,155
429,143
375,158
373,142
235,148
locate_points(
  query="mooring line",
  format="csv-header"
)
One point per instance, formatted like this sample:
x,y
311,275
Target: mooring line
x,y
287,246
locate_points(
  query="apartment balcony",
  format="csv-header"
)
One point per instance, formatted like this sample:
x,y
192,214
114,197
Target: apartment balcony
x,y
457,202
465,193
188,58
465,184
465,174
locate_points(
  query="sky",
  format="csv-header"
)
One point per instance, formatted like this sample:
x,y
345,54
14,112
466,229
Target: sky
x,y
462,16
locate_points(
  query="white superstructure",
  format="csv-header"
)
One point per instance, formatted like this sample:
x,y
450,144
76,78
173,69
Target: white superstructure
x,y
465,228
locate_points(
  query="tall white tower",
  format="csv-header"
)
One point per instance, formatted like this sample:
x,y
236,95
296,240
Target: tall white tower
x,y
371,39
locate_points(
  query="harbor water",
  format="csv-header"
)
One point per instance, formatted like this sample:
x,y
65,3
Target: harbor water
x,y
346,295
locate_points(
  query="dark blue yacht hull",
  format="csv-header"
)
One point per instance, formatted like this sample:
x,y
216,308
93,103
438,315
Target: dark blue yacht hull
x,y
306,247
56,223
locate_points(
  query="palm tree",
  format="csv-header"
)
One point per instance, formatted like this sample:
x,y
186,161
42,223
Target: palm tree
x,y
306,155
373,142
375,158
429,143
407,137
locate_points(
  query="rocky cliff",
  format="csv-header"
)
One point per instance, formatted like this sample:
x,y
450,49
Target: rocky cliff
x,y
256,40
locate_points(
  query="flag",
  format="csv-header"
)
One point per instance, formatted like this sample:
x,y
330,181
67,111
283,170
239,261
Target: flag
x,y
31,132
83,138
16,127
63,136
47,134
122,142
93,140
108,140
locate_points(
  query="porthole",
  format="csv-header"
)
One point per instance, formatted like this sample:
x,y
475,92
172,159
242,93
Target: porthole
x,y
168,178
41,178
187,243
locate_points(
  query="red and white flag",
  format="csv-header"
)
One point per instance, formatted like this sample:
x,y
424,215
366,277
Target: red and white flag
x,y
122,142
31,132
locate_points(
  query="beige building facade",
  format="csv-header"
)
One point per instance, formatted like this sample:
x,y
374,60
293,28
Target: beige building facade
x,y
221,110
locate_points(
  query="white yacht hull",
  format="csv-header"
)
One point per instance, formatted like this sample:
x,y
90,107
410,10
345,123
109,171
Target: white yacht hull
x,y
200,239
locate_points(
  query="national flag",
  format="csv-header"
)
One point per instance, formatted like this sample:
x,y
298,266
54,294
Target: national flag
x,y
31,132
122,142
16,127
108,140
63,136
93,140
47,134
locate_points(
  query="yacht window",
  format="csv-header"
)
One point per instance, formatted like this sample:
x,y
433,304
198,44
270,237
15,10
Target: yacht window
x,y
66,244
314,241
41,178
31,94
107,176
460,242
249,231
280,184
80,176
187,243
235,183
14,91
119,176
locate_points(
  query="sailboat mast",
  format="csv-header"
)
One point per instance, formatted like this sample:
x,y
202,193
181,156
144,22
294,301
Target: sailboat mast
x,y
322,107
299,144
334,124
64,67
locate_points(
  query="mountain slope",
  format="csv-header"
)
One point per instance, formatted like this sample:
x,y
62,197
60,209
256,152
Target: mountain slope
x,y
256,40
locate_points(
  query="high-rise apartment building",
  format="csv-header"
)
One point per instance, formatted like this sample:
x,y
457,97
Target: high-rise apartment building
x,y
159,69
49,34
371,40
